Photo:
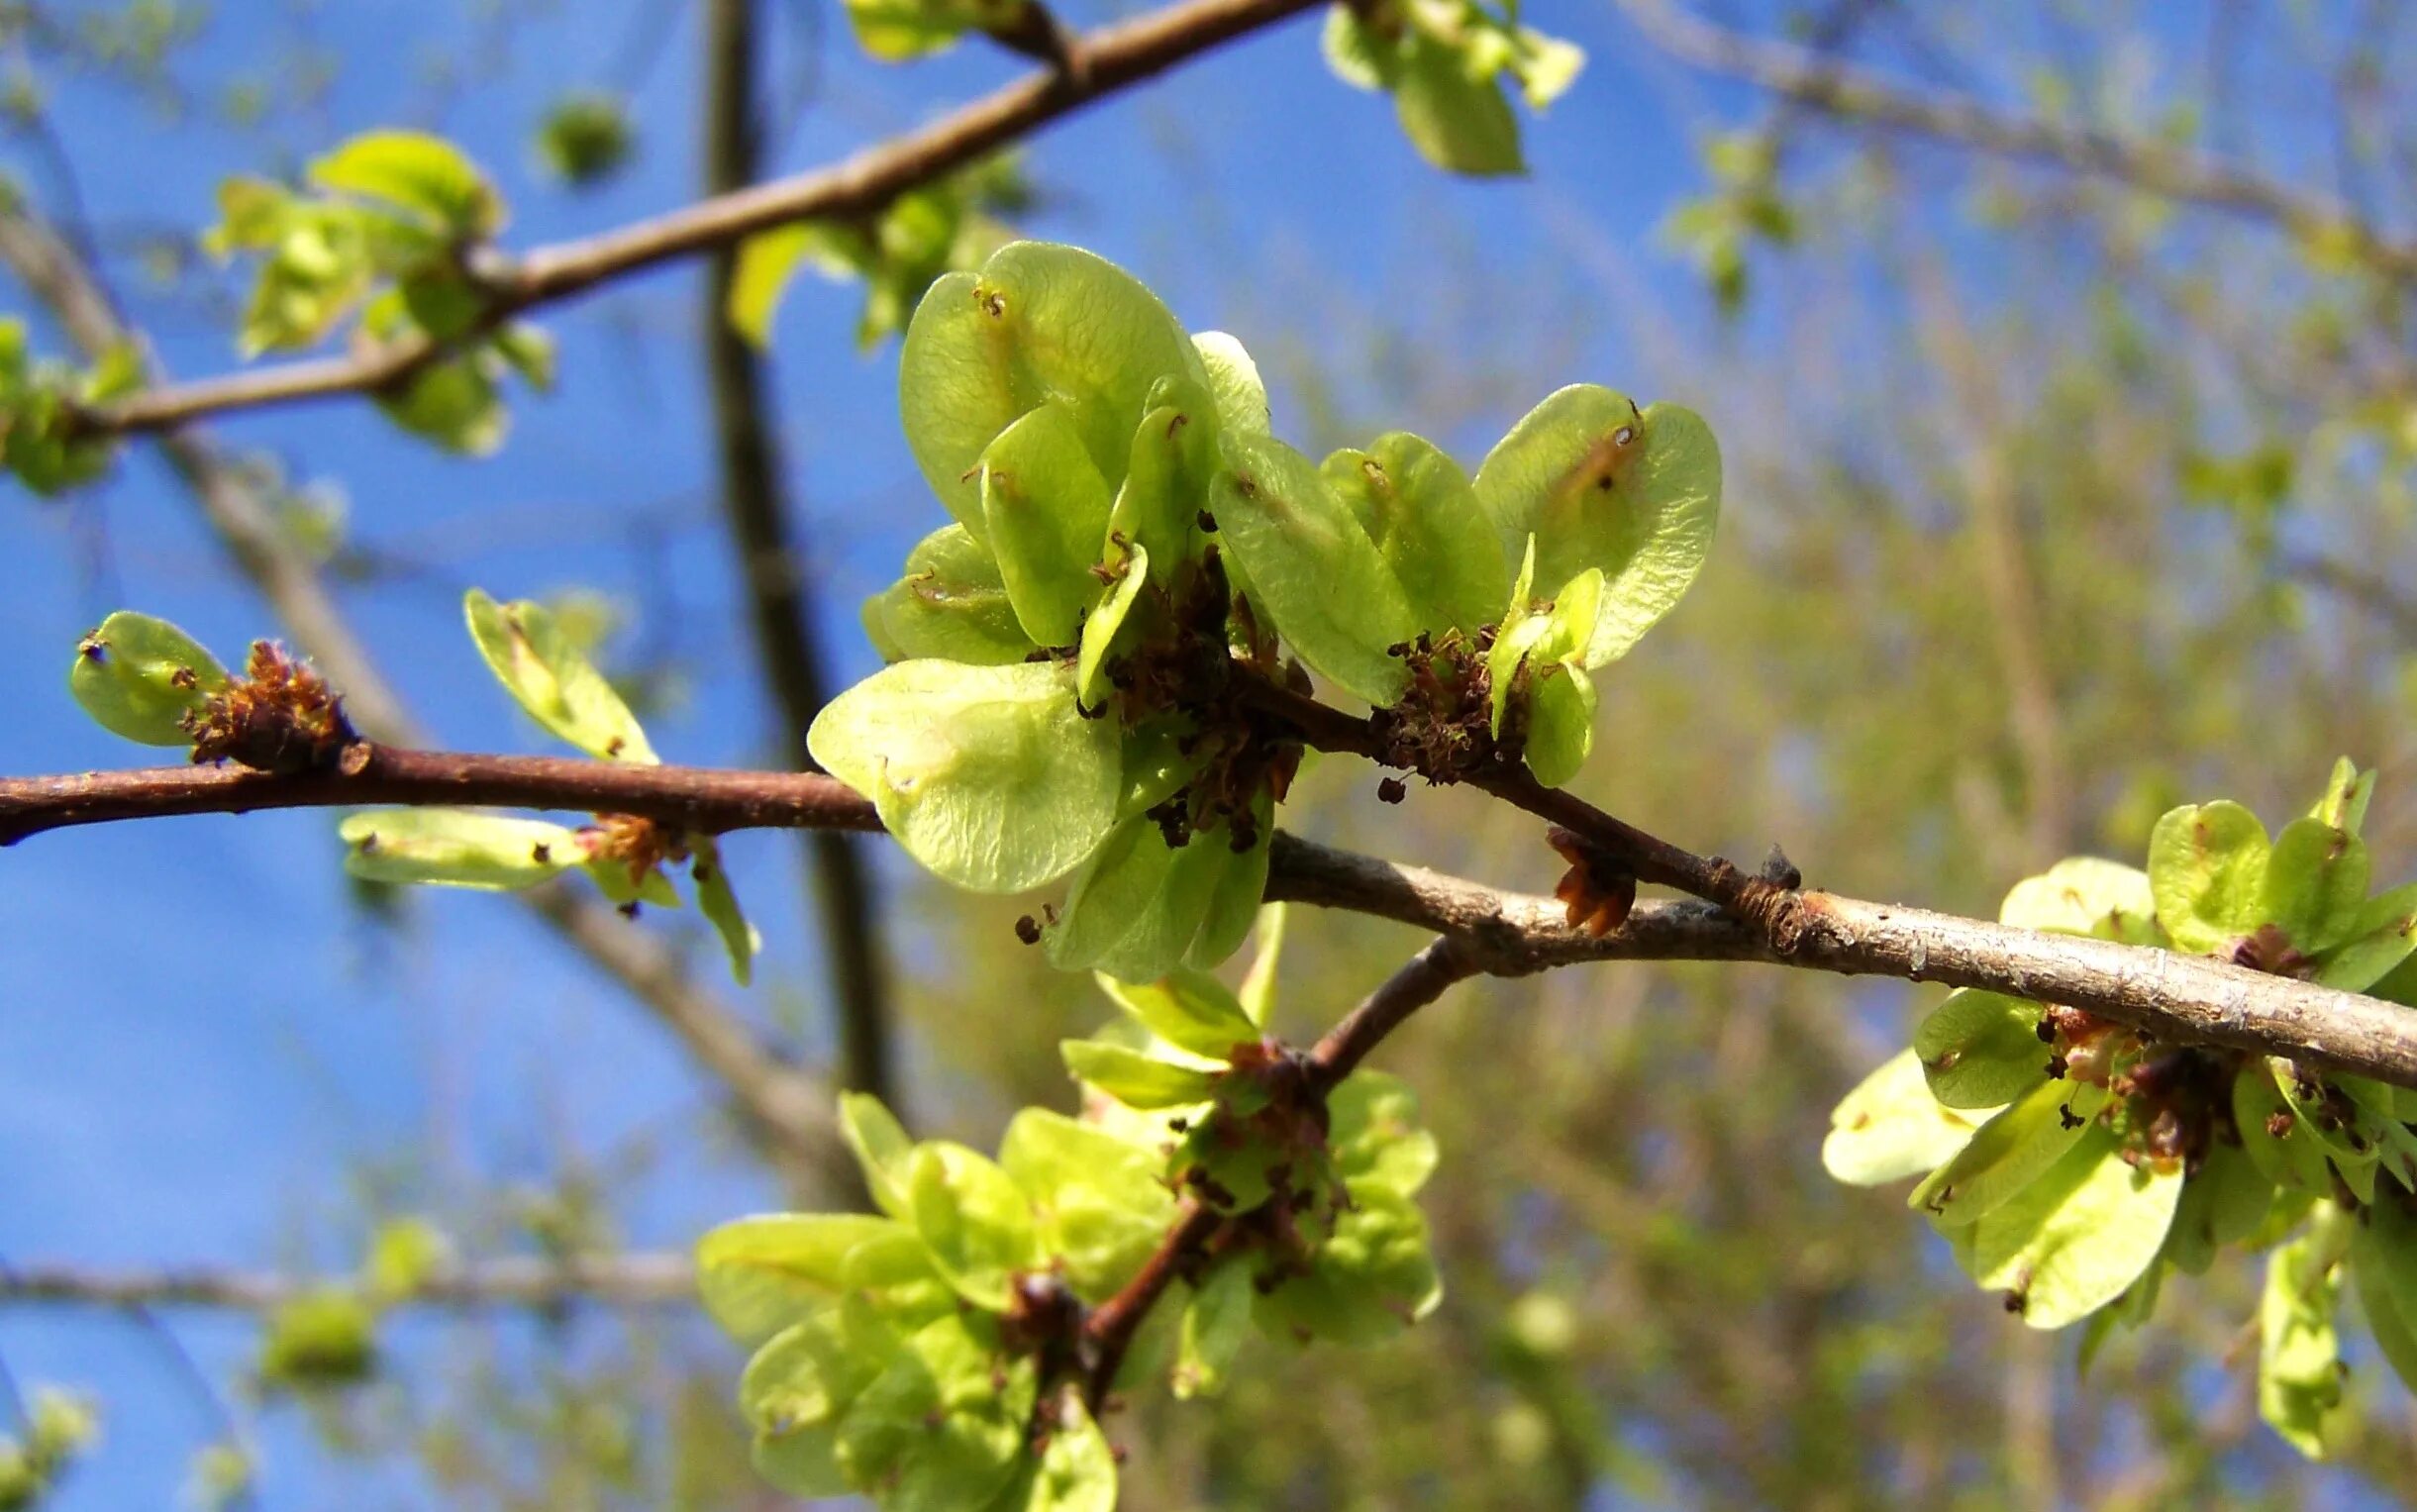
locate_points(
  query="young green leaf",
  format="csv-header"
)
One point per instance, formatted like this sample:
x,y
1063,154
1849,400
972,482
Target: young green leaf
x,y
1560,723
944,1423
1257,991
2384,1262
1371,1278
1295,542
1890,1127
758,1276
1040,323
2009,1152
1233,381
1099,1202
991,777
2344,805
2072,1241
457,847
1136,1079
1459,122
416,173
720,906
2299,1358
1216,1322
2314,884
881,1149
1601,483
1101,627
952,605
540,667
1421,510
1075,1472
1235,904
1045,514
455,402
2273,1136
1374,1134
974,1219
2381,935
2207,869
792,1389
2223,1202
1981,1049
1174,454
1190,1010
137,678
2083,895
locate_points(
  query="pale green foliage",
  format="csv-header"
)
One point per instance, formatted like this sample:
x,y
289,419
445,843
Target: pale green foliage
x,y
540,661
60,1426
1600,483
1745,208
318,1340
549,678
2102,1158
1121,505
585,138
2300,1364
381,234
897,30
1444,62
989,775
885,1364
902,1356
39,442
1293,541
457,847
895,253
1890,1127
139,677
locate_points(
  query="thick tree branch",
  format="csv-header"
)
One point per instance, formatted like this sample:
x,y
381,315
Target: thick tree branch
x,y
2182,998
614,1280
772,569
1101,64
1824,84
786,1108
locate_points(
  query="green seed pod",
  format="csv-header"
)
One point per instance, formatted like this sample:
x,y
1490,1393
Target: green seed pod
x,y
139,677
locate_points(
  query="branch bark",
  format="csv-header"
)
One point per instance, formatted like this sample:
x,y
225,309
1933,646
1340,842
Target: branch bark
x,y
772,569
1099,65
2187,999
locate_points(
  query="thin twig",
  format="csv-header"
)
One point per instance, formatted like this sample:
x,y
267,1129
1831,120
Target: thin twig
x,y
1103,62
1829,85
772,575
616,1280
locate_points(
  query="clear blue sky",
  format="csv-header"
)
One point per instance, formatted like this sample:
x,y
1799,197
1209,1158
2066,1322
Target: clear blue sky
x,y
199,1040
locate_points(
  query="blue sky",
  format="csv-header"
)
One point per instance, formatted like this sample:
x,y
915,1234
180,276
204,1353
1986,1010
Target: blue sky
x,y
199,1040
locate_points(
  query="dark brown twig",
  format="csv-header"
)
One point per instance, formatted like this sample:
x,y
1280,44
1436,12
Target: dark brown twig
x,y
1422,979
772,575
1108,1333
